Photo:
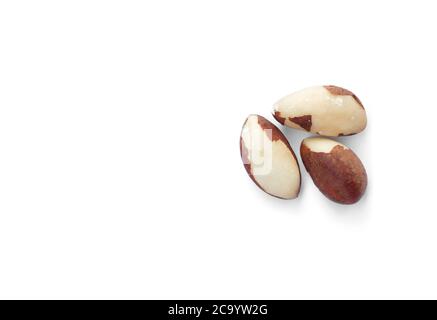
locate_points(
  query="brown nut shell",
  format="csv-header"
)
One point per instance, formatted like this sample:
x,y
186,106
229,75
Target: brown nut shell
x,y
335,169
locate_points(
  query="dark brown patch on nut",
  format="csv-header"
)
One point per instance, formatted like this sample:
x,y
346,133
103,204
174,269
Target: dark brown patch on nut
x,y
277,116
339,175
272,131
345,135
303,122
339,91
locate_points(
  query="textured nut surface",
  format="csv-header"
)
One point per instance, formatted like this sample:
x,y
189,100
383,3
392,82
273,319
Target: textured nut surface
x,y
268,158
325,110
335,169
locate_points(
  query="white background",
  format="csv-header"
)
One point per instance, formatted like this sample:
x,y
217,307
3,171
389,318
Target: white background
x,y
120,172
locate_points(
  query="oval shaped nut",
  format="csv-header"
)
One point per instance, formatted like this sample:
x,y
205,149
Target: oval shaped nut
x,y
269,159
335,169
325,110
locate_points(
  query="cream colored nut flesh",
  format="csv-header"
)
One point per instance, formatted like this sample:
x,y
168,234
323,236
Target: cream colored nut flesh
x,y
325,110
268,158
335,169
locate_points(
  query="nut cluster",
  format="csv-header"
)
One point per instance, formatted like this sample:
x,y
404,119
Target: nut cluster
x,y
334,168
